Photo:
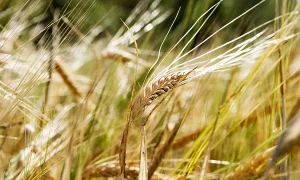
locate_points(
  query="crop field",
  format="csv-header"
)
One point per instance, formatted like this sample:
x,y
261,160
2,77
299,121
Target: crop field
x,y
196,89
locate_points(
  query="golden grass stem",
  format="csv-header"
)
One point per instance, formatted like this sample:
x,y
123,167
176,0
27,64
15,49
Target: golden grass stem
x,y
143,174
284,166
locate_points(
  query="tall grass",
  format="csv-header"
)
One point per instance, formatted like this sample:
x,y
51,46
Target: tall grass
x,y
148,102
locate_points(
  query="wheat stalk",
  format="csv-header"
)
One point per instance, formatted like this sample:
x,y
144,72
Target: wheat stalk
x,y
151,92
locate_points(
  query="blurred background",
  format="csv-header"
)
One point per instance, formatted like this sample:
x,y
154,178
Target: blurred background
x,y
110,12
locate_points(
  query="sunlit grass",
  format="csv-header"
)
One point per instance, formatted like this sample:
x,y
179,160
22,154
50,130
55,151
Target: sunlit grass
x,y
68,93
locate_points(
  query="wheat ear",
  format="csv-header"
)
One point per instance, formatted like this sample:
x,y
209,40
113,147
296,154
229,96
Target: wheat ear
x,y
254,167
156,89
67,79
111,170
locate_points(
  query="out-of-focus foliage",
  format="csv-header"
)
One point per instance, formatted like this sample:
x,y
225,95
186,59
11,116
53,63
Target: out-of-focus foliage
x,y
110,12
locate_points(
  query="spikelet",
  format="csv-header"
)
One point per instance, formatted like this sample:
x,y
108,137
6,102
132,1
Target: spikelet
x,y
67,79
156,89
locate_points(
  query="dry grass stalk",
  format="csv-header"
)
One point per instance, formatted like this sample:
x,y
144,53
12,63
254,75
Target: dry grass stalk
x,y
143,174
122,154
283,113
67,79
252,168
